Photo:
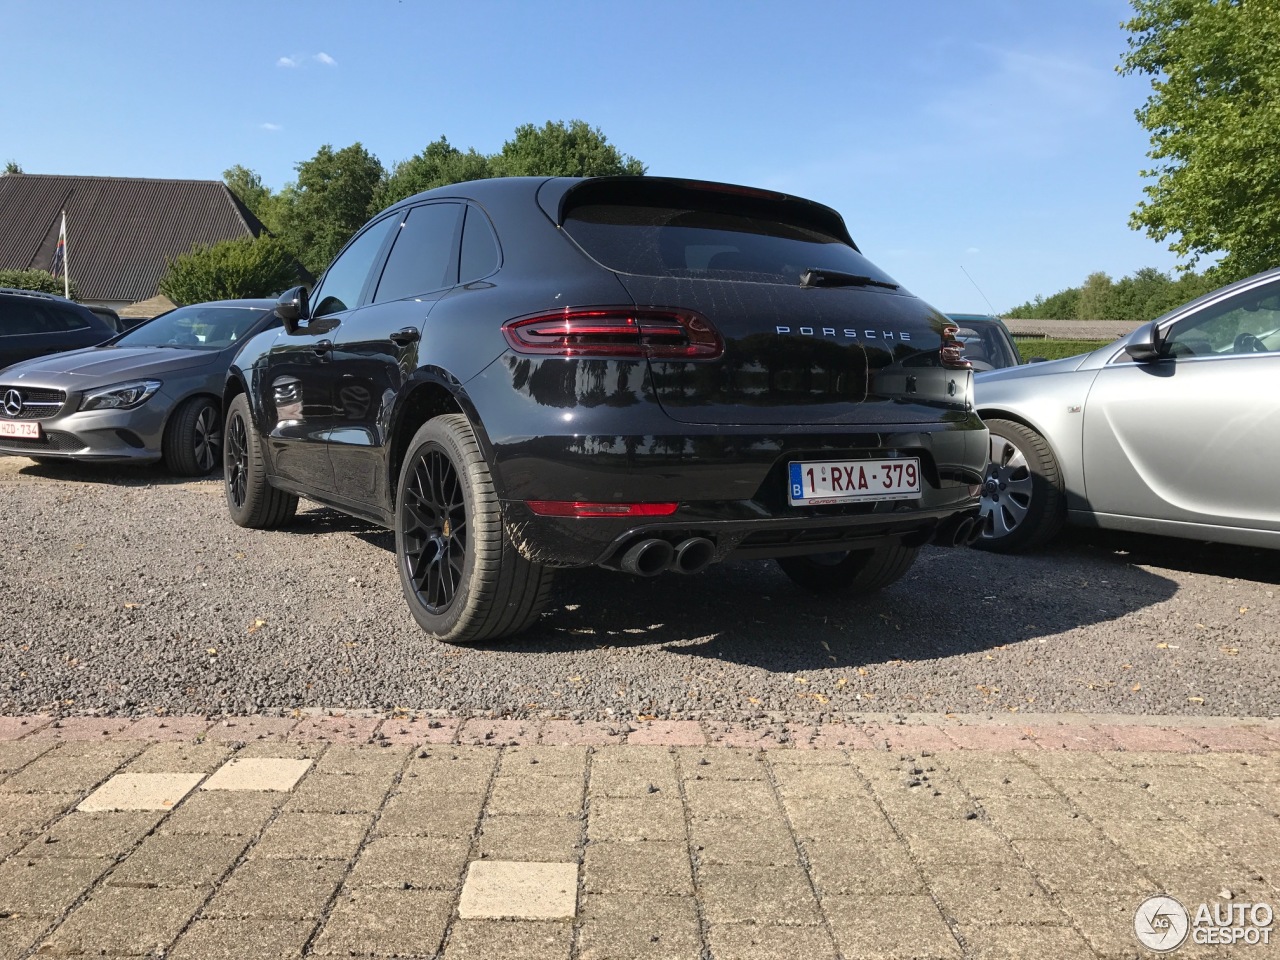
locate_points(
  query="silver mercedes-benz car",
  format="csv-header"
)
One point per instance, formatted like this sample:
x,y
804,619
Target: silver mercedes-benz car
x,y
1173,429
154,392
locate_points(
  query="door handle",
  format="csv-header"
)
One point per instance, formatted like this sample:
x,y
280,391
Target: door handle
x,y
406,336
323,348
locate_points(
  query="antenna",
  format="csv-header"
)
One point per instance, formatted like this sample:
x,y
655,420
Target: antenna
x,y
979,289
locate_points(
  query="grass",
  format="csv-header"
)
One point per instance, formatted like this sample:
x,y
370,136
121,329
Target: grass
x,y
1055,349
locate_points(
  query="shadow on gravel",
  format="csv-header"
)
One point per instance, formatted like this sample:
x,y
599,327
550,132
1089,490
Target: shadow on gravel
x,y
953,602
115,474
1189,556
321,520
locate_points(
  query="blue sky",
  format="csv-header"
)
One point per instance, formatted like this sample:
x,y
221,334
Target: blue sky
x,y
993,135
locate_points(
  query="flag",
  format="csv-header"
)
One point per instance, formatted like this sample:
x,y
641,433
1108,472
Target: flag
x,y
60,253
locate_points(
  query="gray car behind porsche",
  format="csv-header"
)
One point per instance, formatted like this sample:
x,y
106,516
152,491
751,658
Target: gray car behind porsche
x,y
151,393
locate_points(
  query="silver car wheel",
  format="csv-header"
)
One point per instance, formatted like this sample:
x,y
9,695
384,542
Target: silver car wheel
x,y
208,439
1006,490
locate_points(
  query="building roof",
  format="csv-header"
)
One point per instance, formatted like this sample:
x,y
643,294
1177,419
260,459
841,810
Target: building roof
x,y
121,231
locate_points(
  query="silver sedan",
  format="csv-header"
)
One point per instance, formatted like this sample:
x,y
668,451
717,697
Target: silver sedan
x,y
154,392
1173,429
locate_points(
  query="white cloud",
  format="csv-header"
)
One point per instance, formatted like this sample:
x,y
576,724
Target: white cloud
x,y
973,250
270,127
324,58
287,62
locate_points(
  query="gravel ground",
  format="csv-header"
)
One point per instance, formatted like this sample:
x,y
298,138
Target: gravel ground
x,y
126,592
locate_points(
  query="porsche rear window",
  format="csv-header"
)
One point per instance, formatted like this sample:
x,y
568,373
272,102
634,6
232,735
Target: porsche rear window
x,y
717,244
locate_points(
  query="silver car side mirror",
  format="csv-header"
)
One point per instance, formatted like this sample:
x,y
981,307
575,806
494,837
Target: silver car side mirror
x,y
1144,344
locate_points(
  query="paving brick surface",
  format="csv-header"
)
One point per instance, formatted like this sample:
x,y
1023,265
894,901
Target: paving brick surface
x,y
519,890
340,836
141,791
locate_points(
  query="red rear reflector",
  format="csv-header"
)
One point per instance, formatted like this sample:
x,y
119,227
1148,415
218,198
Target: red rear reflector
x,y
576,508
649,333
952,350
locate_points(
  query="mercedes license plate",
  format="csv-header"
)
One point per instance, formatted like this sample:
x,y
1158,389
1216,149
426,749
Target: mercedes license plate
x,y
27,429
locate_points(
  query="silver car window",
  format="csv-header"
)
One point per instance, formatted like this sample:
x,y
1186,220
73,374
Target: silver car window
x,y
1248,322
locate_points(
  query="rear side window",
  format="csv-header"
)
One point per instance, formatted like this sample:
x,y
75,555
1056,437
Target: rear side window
x,y
479,248
18,317
709,242
422,258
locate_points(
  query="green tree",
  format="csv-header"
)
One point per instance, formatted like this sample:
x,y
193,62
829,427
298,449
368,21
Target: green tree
x,y
438,165
248,186
41,280
1095,298
11,167
562,150
1214,119
333,197
230,270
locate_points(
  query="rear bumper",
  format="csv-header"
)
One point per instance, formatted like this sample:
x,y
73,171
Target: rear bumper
x,y
731,488
564,542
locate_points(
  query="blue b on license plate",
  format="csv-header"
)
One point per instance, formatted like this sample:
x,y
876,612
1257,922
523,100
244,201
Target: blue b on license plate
x,y
814,483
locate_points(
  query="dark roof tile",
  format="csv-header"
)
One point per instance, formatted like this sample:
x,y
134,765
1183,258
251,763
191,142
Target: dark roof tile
x,y
121,231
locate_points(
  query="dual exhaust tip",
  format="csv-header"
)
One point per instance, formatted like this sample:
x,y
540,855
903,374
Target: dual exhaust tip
x,y
648,558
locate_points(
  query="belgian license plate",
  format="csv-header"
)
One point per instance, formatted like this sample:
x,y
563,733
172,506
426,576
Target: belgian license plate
x,y
817,482
26,429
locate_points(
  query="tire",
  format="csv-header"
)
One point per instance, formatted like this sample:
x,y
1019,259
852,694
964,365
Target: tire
x,y
1022,499
464,580
251,500
855,573
192,444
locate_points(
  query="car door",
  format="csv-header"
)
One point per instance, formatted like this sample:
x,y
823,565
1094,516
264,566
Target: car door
x,y
299,391
1192,436
377,346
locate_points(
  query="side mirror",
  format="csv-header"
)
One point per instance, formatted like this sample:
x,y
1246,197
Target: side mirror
x,y
292,308
1144,344
1037,359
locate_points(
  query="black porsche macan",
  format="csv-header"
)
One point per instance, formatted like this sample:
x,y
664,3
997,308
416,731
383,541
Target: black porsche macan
x,y
638,373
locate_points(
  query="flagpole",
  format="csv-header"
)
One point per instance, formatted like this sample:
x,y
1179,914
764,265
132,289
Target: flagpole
x,y
66,261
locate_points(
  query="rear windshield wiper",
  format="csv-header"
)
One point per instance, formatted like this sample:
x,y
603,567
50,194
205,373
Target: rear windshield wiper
x,y
813,277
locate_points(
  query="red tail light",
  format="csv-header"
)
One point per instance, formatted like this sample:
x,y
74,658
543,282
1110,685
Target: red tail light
x,y
952,350
576,508
649,333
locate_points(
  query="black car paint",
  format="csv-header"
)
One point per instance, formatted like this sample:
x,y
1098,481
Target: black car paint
x,y
602,430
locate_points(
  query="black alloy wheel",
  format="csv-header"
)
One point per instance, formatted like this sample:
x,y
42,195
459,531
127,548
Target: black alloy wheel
x,y
435,530
251,501
463,578
237,461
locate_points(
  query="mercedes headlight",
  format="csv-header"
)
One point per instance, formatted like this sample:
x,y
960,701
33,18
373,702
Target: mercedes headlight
x,y
120,396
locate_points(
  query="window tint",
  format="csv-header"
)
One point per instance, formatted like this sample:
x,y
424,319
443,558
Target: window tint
x,y
422,258
479,248
668,241
19,315
1249,322
341,286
